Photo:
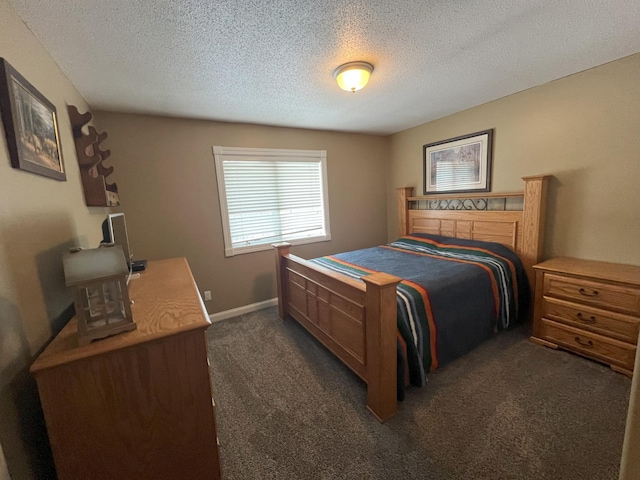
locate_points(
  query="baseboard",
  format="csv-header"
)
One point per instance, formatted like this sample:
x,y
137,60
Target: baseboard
x,y
234,312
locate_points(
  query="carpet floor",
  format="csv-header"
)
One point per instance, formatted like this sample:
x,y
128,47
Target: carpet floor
x,y
288,409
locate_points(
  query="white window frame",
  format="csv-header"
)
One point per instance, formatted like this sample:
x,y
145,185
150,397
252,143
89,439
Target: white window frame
x,y
238,153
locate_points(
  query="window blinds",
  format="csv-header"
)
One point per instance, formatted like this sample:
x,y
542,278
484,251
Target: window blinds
x,y
272,196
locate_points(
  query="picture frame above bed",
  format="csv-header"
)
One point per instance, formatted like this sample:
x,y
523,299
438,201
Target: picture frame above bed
x,y
458,165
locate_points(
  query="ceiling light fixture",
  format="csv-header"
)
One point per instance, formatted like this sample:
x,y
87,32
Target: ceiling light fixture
x,y
353,76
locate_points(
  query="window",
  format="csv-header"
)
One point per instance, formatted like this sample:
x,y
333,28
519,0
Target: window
x,y
269,196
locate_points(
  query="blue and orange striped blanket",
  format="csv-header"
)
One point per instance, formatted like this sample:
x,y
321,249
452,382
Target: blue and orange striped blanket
x,y
455,294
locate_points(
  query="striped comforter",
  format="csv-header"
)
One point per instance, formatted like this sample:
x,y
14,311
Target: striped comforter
x,y
455,294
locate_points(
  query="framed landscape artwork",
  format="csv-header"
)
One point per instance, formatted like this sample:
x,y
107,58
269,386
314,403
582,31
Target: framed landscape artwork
x,y
30,124
459,165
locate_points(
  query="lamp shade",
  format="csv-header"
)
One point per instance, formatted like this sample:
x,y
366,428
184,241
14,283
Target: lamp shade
x,y
353,76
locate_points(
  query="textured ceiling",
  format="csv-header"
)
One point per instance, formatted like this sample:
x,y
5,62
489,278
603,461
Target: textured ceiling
x,y
271,61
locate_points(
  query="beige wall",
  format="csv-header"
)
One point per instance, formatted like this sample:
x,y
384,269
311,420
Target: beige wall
x,y
166,179
630,461
4,470
583,129
39,219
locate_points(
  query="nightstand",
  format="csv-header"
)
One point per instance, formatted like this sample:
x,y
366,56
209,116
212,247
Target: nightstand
x,y
588,307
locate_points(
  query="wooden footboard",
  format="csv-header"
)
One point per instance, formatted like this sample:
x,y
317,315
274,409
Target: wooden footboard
x,y
355,320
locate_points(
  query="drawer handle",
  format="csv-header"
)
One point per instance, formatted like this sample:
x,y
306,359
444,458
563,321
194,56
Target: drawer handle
x,y
588,343
584,319
587,293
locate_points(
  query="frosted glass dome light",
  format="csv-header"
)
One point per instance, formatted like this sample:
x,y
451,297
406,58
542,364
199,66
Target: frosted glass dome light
x,y
353,76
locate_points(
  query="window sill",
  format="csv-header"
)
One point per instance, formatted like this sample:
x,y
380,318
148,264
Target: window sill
x,y
231,252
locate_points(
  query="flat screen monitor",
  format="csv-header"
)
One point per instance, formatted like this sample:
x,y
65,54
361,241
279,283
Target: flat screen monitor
x,y
114,230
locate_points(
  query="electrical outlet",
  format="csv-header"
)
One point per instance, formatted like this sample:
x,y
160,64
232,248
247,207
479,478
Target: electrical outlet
x,y
207,295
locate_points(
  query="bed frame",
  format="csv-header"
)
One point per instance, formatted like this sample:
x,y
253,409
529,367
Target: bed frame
x,y
356,320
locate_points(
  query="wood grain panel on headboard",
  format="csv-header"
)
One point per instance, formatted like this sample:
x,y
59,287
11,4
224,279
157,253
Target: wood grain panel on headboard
x,y
500,227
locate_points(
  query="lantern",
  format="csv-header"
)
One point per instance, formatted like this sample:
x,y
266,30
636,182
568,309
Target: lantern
x,y
98,277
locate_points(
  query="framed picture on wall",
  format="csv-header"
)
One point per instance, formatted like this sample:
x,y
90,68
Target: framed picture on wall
x,y
30,125
461,164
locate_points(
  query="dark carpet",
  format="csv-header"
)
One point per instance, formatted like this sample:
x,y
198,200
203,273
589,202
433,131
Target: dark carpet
x,y
288,409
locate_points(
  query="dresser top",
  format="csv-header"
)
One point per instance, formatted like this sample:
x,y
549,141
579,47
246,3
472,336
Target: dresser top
x,y
614,272
166,302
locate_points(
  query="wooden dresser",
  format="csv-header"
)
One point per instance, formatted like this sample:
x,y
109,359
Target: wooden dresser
x,y
589,307
138,404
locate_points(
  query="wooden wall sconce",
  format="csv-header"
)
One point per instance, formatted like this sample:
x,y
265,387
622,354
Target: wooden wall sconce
x,y
97,191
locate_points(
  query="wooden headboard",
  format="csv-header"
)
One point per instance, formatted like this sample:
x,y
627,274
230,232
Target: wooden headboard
x,y
521,230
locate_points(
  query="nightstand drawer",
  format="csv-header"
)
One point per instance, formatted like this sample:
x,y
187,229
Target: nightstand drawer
x,y
616,325
610,297
590,344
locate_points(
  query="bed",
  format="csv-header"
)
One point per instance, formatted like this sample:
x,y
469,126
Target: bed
x,y
352,306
